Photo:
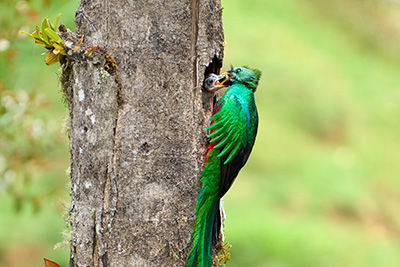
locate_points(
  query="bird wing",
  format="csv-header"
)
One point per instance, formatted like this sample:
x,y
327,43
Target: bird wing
x,y
230,127
229,133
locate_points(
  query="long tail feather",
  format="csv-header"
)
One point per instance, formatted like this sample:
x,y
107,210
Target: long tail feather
x,y
207,211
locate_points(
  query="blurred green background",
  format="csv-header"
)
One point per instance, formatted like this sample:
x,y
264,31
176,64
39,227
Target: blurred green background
x,y
321,187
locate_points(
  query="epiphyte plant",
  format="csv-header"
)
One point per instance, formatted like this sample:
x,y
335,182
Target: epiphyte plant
x,y
47,36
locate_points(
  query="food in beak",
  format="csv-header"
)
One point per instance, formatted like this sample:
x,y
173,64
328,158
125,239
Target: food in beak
x,y
215,82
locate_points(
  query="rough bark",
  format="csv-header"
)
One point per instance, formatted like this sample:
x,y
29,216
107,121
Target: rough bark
x,y
137,127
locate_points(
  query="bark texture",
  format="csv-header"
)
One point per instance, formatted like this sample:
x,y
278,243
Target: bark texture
x,y
137,127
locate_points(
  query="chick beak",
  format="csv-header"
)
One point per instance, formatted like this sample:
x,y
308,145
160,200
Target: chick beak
x,y
221,82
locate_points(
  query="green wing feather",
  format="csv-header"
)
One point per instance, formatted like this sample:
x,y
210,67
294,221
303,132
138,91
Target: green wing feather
x,y
230,127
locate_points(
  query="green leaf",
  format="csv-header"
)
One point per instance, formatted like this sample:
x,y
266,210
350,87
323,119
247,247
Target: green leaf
x,y
48,23
40,42
53,35
35,34
45,25
54,25
29,34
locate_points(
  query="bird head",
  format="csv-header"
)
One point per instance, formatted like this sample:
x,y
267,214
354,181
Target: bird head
x,y
246,76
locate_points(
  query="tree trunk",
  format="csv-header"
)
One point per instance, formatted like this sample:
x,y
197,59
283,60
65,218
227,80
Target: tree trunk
x,y
137,127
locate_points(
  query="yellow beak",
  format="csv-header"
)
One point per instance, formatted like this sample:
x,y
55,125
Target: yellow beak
x,y
228,76
219,83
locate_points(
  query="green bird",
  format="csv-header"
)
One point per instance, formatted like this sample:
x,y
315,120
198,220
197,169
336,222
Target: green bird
x,y
233,132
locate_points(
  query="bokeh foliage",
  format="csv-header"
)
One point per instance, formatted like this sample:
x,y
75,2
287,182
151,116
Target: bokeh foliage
x,y
321,187
33,150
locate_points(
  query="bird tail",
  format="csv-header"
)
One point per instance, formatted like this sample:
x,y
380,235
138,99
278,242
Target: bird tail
x,y
207,211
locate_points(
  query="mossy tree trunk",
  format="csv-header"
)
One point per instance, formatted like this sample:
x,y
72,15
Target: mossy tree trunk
x,y
137,127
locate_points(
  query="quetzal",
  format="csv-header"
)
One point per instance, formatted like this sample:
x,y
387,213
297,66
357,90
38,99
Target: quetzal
x,y
233,131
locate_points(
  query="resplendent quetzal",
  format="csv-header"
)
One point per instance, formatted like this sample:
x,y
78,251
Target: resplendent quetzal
x,y
233,131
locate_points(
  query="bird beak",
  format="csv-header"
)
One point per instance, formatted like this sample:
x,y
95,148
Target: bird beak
x,y
222,81
226,77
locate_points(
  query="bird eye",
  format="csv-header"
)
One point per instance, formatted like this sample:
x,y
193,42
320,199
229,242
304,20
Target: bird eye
x,y
238,70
